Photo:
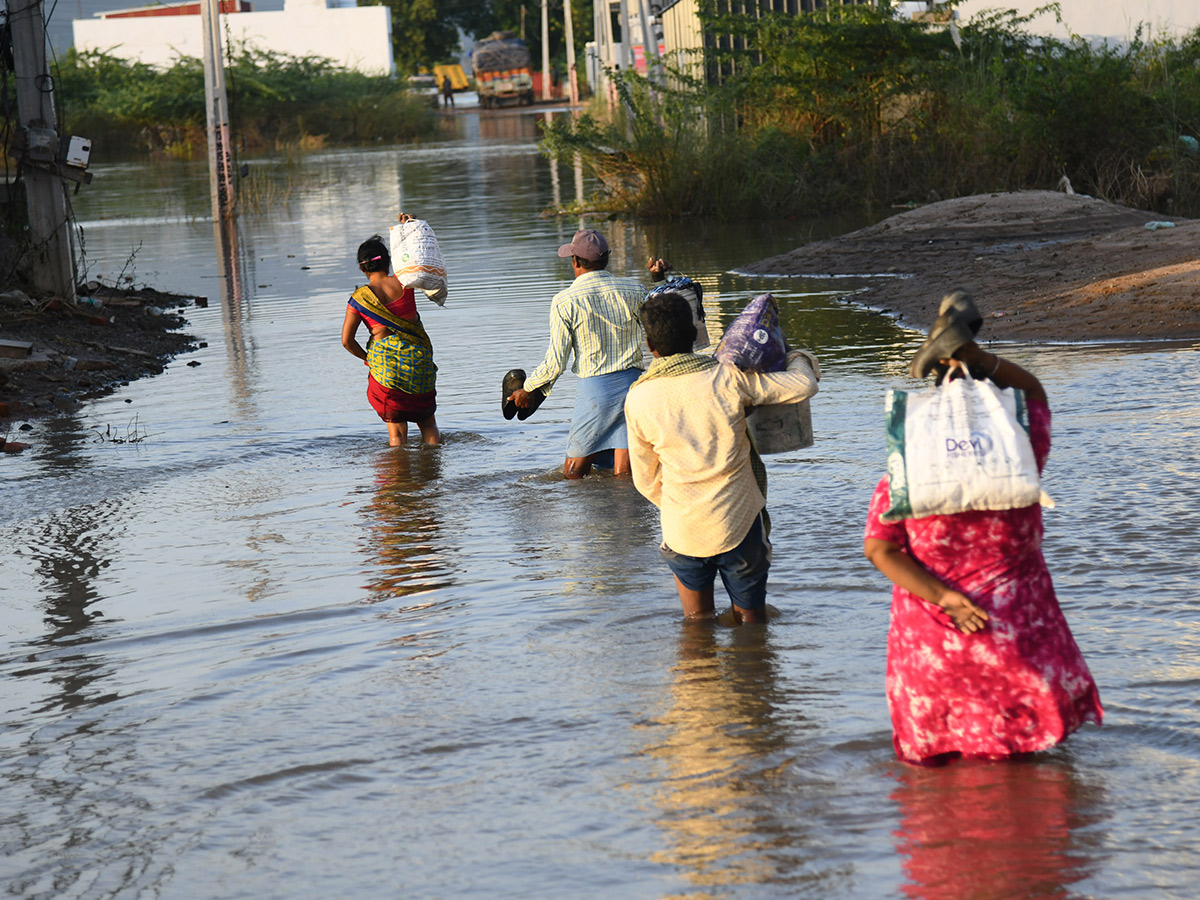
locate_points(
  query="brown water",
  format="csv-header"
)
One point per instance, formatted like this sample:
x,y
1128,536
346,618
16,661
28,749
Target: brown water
x,y
260,655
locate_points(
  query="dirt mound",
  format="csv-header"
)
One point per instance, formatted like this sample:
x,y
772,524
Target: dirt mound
x,y
1043,265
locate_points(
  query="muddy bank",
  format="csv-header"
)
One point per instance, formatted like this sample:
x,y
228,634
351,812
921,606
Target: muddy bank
x,y
82,350
1041,265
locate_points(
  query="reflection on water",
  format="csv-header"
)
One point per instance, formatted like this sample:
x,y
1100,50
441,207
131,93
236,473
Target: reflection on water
x,y
262,643
71,555
721,769
992,831
403,539
231,275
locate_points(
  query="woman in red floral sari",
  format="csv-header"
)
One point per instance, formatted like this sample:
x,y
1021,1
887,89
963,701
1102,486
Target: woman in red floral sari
x,y
981,662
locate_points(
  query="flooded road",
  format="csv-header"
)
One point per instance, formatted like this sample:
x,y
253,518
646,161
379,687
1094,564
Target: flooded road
x,y
258,654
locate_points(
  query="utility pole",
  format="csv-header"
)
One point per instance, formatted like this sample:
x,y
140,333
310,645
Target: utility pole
x,y
546,49
220,161
626,38
572,75
649,42
46,198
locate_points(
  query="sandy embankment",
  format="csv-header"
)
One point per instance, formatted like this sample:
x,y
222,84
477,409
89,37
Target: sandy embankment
x,y
1041,265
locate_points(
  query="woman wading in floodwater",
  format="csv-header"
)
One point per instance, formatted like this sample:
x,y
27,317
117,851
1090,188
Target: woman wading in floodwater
x,y
401,384
980,660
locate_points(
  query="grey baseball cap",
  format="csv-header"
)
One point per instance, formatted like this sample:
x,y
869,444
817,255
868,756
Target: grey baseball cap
x,y
587,244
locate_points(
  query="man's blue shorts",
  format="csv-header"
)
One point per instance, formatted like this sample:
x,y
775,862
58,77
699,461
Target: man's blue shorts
x,y
743,569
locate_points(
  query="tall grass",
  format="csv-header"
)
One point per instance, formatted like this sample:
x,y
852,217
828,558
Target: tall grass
x,y
860,109
130,108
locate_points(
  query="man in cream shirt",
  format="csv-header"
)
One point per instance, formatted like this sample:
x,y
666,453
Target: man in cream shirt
x,y
691,456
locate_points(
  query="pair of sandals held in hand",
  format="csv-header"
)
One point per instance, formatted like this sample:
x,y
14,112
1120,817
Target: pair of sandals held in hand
x,y
514,380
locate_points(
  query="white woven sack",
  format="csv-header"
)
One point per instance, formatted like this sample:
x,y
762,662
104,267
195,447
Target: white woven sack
x,y
959,447
417,259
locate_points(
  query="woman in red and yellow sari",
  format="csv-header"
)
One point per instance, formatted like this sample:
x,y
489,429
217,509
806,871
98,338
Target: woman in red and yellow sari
x,y
401,384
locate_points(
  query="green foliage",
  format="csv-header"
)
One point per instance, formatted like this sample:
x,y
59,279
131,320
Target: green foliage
x,y
273,99
422,34
853,107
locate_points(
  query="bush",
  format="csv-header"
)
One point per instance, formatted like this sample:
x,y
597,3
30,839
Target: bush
x,y
273,99
817,113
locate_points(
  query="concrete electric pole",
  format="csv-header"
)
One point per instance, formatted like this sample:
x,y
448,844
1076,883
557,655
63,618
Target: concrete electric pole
x,y
46,197
220,159
545,49
572,74
649,42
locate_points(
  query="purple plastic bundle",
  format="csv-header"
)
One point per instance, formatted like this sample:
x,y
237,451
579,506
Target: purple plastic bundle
x,y
754,341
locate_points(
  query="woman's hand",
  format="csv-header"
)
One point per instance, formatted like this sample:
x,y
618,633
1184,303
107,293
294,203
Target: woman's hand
x,y
967,617
970,354
903,570
405,217
658,268
1001,372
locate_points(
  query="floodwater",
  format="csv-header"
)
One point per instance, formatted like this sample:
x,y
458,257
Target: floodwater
x,y
252,652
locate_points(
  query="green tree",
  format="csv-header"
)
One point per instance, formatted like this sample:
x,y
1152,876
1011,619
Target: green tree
x,y
424,33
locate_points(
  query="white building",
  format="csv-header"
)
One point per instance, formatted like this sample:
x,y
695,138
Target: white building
x,y
1112,20
358,38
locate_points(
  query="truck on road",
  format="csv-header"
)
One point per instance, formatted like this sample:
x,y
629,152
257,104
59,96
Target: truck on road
x,y
503,70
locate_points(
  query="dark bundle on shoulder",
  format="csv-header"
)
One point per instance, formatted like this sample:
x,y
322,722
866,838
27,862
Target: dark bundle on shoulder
x,y
755,340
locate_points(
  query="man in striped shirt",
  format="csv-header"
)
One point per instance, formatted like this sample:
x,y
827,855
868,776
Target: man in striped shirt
x,y
596,320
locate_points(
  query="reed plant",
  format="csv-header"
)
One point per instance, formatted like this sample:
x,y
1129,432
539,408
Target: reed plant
x,y
855,108
129,108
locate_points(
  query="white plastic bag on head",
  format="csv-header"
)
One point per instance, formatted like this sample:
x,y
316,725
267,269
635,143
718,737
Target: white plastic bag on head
x,y
417,259
962,446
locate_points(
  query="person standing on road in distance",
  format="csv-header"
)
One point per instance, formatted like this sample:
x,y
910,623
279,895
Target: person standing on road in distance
x,y
447,92
596,319
692,457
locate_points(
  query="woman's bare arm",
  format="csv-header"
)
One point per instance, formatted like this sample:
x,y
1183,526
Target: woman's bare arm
x,y
903,570
349,329
1004,373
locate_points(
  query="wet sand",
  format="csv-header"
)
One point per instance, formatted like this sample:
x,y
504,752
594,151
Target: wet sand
x,y
1041,265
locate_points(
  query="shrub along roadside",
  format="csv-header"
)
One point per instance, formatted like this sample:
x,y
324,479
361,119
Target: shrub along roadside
x,y
275,100
862,110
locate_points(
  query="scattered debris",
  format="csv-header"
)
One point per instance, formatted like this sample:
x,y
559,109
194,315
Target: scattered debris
x,y
16,349
52,355
134,433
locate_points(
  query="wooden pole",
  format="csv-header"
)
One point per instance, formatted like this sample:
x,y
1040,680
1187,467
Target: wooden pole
x,y
45,196
220,161
545,49
572,74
